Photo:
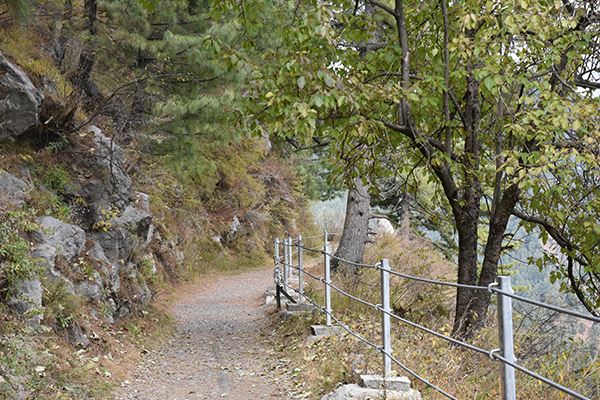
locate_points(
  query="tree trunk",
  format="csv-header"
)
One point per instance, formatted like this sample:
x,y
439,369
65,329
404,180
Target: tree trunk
x,y
356,226
467,222
82,78
493,248
404,230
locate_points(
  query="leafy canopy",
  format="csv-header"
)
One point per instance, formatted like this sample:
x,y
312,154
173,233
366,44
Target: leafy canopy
x,y
486,96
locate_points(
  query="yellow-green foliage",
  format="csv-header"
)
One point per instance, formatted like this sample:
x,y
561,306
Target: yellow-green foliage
x,y
107,215
15,262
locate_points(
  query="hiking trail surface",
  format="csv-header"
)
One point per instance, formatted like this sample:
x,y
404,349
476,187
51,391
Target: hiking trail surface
x,y
221,348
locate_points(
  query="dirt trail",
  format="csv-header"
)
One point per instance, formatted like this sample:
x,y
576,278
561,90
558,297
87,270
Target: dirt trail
x,y
220,349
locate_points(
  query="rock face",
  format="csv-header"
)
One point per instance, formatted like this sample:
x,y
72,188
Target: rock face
x,y
97,256
27,300
67,240
12,189
111,189
20,101
101,260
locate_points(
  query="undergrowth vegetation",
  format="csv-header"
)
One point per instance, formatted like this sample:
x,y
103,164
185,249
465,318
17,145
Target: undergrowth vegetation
x,y
224,224
48,366
563,355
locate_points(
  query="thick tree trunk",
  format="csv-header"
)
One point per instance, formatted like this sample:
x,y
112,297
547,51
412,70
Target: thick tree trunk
x,y
466,209
493,248
405,205
467,225
356,226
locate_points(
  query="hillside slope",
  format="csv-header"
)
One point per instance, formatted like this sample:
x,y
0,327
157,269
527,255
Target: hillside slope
x,y
97,220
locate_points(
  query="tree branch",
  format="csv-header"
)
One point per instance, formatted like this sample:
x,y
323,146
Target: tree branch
x,y
463,118
379,216
552,231
585,83
387,9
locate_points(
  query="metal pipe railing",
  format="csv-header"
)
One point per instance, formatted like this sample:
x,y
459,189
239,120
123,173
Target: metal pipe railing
x,y
502,288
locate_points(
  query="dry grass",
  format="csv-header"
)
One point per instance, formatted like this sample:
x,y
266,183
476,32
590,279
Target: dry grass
x,y
460,372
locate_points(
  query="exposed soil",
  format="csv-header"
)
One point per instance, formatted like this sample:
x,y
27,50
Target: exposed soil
x,y
221,348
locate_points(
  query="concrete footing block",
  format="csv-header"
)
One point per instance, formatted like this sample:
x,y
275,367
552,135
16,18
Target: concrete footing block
x,y
356,392
300,307
395,383
324,330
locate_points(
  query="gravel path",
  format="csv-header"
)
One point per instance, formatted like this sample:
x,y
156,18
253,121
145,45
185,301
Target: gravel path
x,y
221,349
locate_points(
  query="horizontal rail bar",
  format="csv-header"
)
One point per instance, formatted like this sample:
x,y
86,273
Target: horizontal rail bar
x,y
416,278
548,306
434,333
547,381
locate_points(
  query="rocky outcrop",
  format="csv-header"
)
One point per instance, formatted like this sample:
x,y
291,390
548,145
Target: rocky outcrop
x,y
20,101
99,260
110,190
96,256
27,300
67,240
12,189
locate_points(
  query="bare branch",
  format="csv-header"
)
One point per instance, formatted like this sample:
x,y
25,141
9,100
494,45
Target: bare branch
x,y
387,9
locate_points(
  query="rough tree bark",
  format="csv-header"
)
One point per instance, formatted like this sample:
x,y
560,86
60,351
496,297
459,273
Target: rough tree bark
x,y
82,77
404,230
356,229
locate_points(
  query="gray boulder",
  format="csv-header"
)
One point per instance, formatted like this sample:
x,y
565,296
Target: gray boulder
x,y
27,300
20,101
128,236
12,189
67,240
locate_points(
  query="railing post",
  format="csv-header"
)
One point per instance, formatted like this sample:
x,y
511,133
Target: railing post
x,y
276,252
290,257
385,318
285,264
300,270
505,329
277,274
327,282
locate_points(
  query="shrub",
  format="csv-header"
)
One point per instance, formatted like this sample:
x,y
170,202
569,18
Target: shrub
x,y
15,262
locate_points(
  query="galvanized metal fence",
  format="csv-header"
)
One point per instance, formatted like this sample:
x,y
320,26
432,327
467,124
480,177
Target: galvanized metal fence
x,y
284,265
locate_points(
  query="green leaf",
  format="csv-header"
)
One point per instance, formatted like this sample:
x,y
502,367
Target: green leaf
x,y
148,5
301,82
318,100
329,81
